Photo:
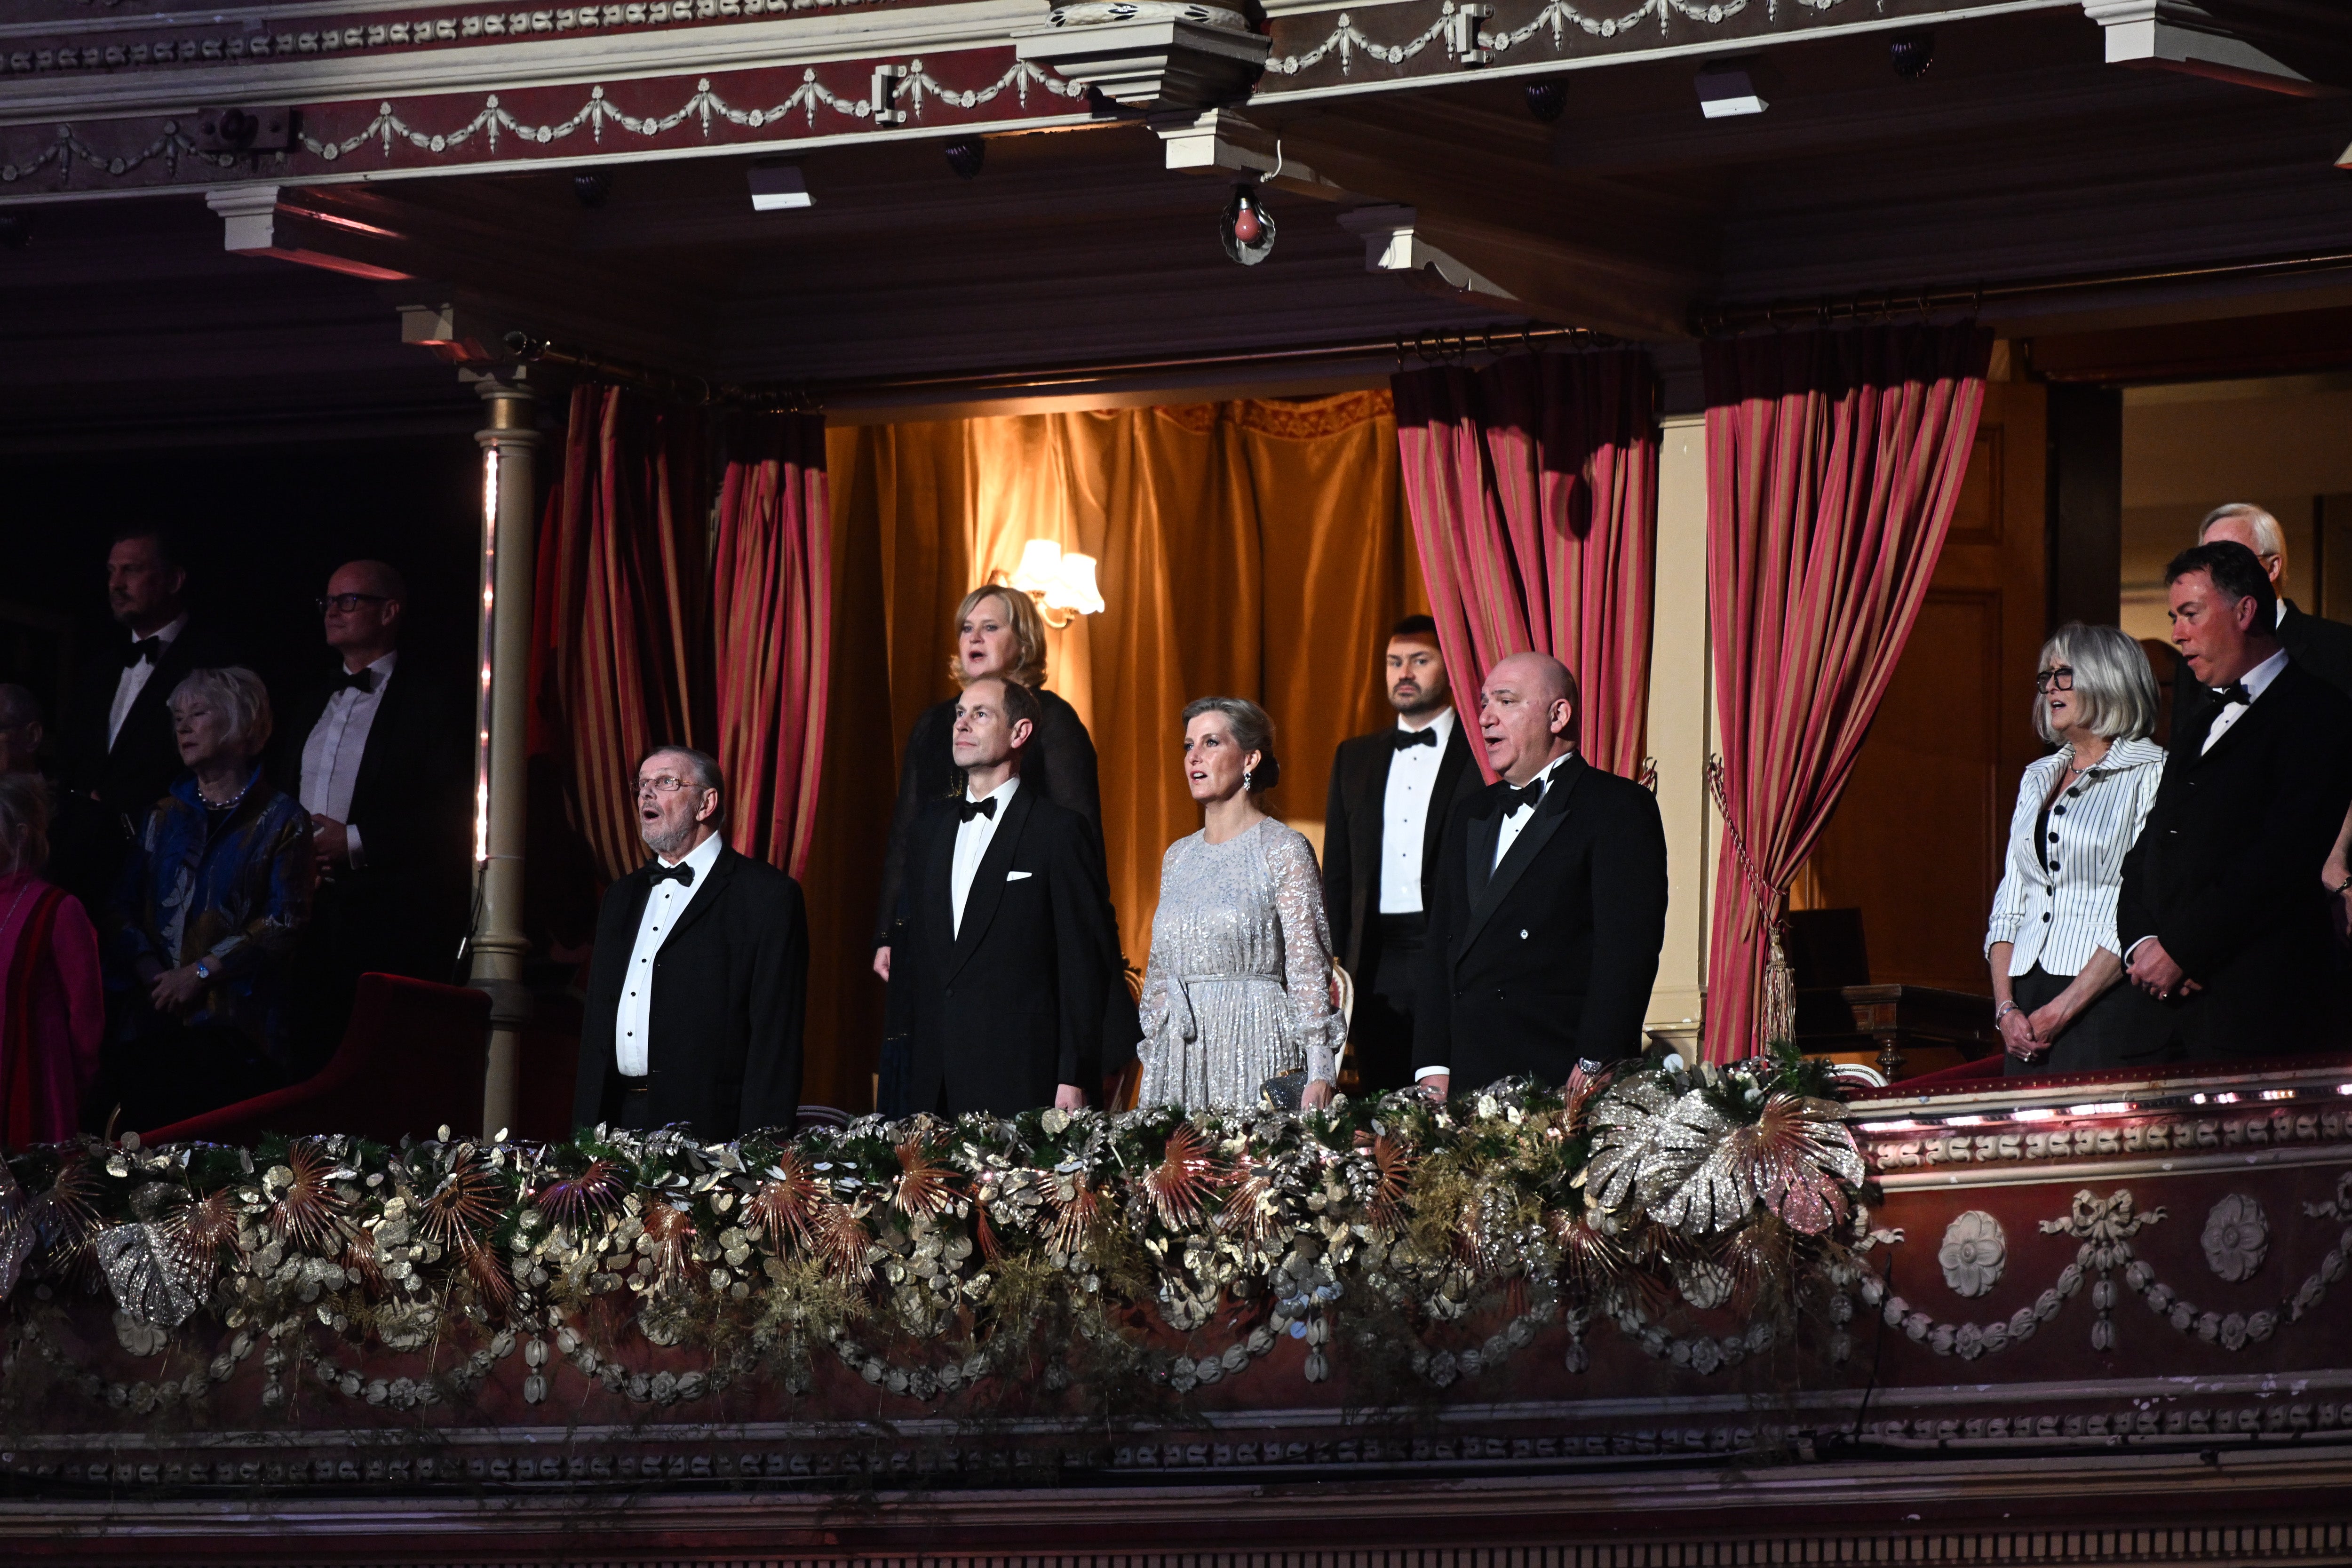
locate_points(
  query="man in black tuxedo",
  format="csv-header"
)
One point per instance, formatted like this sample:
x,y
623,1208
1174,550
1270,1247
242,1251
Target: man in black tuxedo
x,y
378,756
698,985
2222,916
119,753
1390,795
1550,900
1001,970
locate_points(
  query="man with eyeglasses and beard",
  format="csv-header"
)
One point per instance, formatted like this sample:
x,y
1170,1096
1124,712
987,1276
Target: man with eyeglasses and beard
x,y
700,975
1392,792
378,755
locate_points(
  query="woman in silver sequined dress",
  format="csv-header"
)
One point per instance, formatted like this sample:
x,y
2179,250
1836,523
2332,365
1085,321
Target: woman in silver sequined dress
x,y
1238,989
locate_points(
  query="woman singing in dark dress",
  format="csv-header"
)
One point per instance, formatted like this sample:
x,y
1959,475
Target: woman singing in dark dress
x,y
998,633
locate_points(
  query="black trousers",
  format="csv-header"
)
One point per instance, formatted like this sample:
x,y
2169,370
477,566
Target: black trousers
x,y
2100,1037
1391,957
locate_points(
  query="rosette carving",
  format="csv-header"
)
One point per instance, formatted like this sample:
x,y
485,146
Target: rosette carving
x,y
1973,1254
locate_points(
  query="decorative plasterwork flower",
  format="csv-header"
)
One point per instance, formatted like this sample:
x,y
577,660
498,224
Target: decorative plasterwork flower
x,y
1973,1254
2236,1238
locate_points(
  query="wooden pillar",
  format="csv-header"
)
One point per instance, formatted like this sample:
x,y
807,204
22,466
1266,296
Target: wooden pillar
x,y
1682,730
501,727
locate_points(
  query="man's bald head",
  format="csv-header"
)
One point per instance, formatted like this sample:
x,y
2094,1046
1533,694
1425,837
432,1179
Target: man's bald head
x,y
379,577
1527,712
363,606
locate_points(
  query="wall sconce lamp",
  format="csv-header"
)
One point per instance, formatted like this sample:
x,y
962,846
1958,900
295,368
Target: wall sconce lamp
x,y
1062,584
1728,88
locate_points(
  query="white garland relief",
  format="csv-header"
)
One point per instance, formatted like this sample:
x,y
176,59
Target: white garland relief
x,y
1974,1253
2237,1236
1557,17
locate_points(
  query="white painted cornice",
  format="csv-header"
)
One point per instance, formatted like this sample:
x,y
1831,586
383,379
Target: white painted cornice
x,y
505,65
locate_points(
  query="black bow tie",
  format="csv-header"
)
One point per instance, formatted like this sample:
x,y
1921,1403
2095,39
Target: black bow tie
x,y
968,809
2234,693
1523,798
1425,736
147,650
681,873
361,680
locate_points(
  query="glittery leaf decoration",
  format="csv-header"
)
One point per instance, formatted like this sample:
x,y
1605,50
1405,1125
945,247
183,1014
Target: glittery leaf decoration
x,y
1795,1158
1625,1126
591,1193
153,1271
925,1186
1690,1179
1182,1180
784,1205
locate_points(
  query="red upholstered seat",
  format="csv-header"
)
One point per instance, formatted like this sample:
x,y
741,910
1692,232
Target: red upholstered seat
x,y
411,1060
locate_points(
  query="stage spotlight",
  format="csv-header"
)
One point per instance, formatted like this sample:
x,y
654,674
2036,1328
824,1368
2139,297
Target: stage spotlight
x,y
966,155
1728,87
1245,229
1547,99
592,186
778,183
1911,54
16,229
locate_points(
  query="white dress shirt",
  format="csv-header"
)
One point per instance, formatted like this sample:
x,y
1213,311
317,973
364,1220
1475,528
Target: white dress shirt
x,y
1520,815
134,678
1513,822
331,757
664,905
974,835
1405,815
2257,680
2057,899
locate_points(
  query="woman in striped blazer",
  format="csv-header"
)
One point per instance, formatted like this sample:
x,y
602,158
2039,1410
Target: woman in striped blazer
x,y
2051,941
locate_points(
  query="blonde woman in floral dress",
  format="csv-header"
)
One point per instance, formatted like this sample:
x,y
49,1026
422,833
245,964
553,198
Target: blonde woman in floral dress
x,y
1238,989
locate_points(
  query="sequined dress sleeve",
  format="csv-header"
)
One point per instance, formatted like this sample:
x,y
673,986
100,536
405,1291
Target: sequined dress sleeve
x,y
1315,1025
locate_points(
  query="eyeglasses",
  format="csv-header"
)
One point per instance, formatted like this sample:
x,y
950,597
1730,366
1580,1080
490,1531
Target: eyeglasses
x,y
347,603
2058,679
663,785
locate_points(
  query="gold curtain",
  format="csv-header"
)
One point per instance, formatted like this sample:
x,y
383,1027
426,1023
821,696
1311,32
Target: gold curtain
x,y
1250,549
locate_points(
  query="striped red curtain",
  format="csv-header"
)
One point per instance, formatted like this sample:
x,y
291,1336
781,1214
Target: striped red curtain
x,y
772,629
1532,485
621,624
1834,461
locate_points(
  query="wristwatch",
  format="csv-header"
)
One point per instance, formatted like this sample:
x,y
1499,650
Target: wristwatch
x,y
204,972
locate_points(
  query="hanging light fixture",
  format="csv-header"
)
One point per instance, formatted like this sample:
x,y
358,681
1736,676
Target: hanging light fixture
x,y
1245,229
1063,582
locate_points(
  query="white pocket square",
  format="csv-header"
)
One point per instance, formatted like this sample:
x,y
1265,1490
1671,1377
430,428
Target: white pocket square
x,y
1015,875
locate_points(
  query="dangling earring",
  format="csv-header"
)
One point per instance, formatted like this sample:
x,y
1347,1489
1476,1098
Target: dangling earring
x,y
1247,774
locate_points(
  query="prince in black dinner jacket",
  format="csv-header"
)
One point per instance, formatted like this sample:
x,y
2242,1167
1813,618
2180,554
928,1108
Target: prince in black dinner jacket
x,y
729,987
1546,957
1004,1011
2222,916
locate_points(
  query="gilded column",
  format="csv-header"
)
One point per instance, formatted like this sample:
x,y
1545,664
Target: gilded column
x,y
501,732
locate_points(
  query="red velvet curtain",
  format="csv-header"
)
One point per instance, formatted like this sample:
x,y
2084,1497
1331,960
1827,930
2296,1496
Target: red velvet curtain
x,y
1532,485
1834,461
623,619
771,628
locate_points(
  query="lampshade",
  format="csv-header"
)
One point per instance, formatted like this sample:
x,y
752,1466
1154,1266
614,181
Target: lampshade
x,y
1076,590
1040,567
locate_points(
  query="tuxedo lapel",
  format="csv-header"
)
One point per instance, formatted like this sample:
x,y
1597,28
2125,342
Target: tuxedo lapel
x,y
702,901
1550,812
384,737
2257,716
1450,765
988,881
171,667
1478,852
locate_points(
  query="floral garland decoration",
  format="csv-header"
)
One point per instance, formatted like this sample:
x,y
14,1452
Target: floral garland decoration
x,y
1132,1257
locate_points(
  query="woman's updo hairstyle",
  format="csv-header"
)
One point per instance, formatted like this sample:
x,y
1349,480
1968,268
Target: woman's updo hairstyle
x,y
1252,731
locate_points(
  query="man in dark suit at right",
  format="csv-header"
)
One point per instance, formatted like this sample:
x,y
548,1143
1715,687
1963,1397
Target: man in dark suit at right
x,y
378,756
2222,917
1550,904
1001,971
119,752
1390,794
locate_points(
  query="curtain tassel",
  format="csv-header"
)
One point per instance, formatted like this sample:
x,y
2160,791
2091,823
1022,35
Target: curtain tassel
x,y
1779,1018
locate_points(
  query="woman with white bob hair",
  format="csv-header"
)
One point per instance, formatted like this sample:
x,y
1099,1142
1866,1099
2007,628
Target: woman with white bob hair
x,y
2052,942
